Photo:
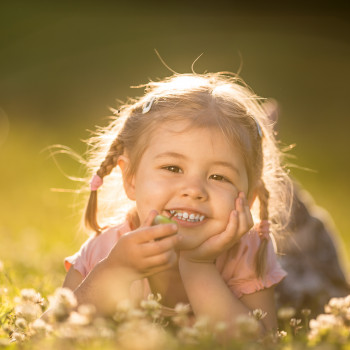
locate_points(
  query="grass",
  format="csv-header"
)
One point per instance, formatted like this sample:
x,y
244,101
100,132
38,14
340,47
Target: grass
x,y
40,227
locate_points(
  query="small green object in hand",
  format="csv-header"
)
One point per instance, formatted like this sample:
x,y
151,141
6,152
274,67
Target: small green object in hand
x,y
161,219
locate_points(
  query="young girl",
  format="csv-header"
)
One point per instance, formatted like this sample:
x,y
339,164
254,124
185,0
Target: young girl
x,y
199,149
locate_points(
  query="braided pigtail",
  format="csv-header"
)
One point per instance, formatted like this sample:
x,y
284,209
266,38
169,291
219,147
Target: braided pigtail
x,y
106,167
263,230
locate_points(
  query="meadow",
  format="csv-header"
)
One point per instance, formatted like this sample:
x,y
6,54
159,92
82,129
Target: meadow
x,y
62,66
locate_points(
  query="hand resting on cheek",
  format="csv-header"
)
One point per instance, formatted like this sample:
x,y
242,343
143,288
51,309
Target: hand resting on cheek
x,y
239,223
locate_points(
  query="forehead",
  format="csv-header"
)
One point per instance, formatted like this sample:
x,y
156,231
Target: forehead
x,y
209,142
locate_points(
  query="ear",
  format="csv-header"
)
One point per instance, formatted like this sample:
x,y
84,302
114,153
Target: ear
x,y
128,181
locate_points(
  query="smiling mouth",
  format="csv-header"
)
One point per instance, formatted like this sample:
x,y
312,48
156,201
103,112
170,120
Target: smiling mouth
x,y
185,216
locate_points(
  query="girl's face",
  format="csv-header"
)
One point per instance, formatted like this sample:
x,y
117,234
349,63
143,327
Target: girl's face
x,y
194,174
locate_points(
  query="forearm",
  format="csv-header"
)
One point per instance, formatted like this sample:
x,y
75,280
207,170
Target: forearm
x,y
208,293
104,287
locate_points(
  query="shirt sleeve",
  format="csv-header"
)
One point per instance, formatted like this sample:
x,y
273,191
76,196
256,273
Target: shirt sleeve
x,y
94,250
80,260
237,266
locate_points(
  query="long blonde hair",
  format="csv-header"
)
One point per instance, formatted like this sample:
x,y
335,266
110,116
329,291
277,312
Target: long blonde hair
x,y
220,100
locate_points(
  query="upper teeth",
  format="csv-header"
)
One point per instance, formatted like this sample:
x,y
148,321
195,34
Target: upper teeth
x,y
183,215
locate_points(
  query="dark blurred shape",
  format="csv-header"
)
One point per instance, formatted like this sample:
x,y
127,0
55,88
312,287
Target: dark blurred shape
x,y
309,251
311,258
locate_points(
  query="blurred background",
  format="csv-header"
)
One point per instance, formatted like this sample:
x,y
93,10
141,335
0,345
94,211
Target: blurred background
x,y
64,64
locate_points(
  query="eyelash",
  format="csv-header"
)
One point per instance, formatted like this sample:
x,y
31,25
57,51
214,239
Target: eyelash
x,y
177,170
222,178
172,168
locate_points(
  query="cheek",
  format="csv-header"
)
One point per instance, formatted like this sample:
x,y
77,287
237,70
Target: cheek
x,y
150,194
226,200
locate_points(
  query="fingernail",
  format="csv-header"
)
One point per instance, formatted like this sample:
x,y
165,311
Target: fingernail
x,y
174,227
235,213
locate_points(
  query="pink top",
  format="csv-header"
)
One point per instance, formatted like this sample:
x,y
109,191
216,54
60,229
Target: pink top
x,y
235,265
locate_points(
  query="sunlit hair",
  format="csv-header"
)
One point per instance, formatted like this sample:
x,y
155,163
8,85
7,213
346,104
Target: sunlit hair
x,y
214,100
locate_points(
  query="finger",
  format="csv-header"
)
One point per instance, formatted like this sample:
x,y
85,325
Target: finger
x,y
243,219
163,261
229,237
249,217
232,228
148,234
156,247
148,222
158,269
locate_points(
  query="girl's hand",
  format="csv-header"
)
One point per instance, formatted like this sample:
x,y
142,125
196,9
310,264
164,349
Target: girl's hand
x,y
147,250
240,222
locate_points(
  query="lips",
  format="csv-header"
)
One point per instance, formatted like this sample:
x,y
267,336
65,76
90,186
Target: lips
x,y
186,215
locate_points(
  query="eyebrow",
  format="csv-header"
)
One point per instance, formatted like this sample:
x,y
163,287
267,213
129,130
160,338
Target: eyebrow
x,y
182,156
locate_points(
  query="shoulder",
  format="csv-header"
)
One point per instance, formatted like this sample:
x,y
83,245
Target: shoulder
x,y
104,242
237,265
96,248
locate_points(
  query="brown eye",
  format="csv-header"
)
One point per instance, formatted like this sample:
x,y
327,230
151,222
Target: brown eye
x,y
173,168
217,177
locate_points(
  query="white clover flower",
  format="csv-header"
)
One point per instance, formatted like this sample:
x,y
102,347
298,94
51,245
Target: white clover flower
x,y
126,311
335,306
7,328
306,312
39,326
152,302
281,334
156,297
136,314
183,309
123,310
152,306
31,295
28,311
294,322
324,321
247,327
65,297
87,310
258,314
17,337
328,326
76,319
181,317
188,335
285,313
141,335
62,303
21,323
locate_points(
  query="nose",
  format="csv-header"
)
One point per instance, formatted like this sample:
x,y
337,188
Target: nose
x,y
194,188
